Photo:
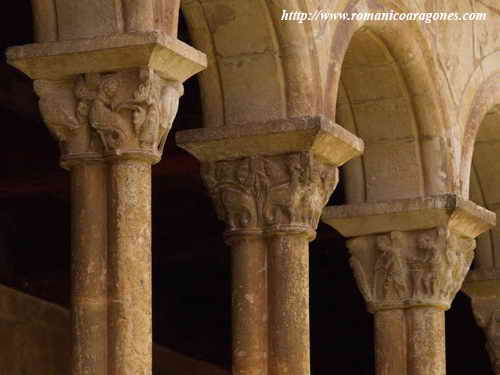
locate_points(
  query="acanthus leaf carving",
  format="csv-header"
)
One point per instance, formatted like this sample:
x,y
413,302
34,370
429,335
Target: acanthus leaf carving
x,y
404,269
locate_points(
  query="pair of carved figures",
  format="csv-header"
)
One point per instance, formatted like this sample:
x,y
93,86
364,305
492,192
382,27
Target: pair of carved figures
x,y
261,192
407,268
126,111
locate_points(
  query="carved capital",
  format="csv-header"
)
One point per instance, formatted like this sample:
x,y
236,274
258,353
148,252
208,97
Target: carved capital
x,y
271,194
487,314
122,114
58,106
408,269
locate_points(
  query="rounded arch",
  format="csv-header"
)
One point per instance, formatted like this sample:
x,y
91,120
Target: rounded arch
x,y
412,50
480,96
480,170
259,68
383,89
484,182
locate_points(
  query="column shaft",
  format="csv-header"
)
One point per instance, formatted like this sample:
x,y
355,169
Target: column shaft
x,y
130,325
426,341
289,304
89,257
390,342
249,304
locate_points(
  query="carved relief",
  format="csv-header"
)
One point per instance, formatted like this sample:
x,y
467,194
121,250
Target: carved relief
x,y
110,114
487,313
410,268
131,111
261,192
58,108
389,267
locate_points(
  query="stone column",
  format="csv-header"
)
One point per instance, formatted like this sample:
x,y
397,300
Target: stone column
x,y
483,288
132,113
234,186
292,217
89,269
130,299
289,303
249,302
111,126
409,258
82,155
269,183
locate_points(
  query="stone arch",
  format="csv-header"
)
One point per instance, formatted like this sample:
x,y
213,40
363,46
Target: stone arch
x,y
484,182
480,118
480,171
480,96
407,153
246,44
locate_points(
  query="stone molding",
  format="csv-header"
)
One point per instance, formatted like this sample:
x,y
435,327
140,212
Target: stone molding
x,y
317,135
399,270
169,57
447,210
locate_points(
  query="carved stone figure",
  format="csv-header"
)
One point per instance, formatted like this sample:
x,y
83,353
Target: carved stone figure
x,y
262,192
102,116
426,267
410,268
110,113
389,266
57,106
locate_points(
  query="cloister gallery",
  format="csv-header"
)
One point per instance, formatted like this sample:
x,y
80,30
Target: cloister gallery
x,y
256,196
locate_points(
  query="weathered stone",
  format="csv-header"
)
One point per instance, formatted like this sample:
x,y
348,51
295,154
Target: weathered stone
x,y
271,193
129,288
110,101
249,302
269,183
461,216
167,56
317,135
109,74
410,258
409,269
89,279
95,116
